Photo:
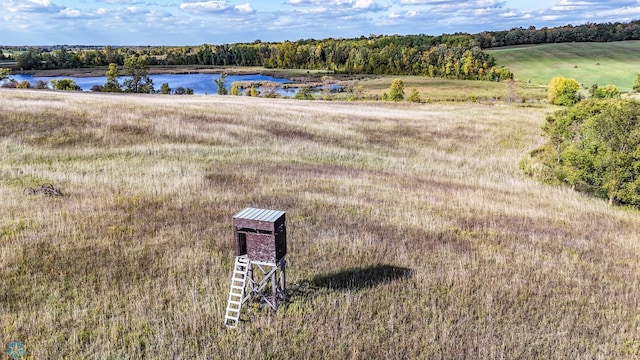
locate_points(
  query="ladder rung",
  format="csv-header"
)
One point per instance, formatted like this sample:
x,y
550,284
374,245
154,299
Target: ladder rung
x,y
235,302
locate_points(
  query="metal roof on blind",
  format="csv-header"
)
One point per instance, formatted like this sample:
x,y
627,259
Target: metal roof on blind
x,y
259,214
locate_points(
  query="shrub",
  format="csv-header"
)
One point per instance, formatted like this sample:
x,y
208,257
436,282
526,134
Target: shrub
x,y
604,92
11,84
65,84
25,84
304,93
414,96
253,91
235,90
396,91
41,84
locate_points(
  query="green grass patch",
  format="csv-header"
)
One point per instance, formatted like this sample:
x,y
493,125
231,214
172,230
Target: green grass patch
x,y
613,63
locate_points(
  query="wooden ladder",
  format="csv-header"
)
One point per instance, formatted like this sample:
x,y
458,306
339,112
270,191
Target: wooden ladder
x,y
236,291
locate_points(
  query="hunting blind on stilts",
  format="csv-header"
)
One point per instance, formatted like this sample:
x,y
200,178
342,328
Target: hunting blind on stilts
x,y
260,243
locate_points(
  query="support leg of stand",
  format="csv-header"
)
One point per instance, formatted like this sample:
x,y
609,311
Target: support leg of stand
x,y
274,286
283,266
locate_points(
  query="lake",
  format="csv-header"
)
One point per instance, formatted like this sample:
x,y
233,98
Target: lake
x,y
200,83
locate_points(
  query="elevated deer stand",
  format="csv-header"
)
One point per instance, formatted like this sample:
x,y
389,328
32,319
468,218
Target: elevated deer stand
x,y
260,241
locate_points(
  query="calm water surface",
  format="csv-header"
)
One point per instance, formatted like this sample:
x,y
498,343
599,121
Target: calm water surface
x,y
200,83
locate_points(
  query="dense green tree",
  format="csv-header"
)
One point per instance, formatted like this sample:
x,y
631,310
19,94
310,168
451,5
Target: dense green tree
x,y
29,60
165,89
65,84
138,69
594,146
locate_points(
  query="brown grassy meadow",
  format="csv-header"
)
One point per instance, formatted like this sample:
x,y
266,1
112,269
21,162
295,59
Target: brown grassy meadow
x,y
412,234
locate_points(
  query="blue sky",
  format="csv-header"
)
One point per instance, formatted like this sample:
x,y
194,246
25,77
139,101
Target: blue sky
x,y
195,22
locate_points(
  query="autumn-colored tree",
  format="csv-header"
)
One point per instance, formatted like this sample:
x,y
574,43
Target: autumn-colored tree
x,y
563,91
235,90
5,73
396,91
253,91
24,84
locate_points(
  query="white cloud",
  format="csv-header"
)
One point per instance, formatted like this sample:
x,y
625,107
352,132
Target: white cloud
x,y
118,2
370,5
428,2
32,6
213,6
70,13
245,8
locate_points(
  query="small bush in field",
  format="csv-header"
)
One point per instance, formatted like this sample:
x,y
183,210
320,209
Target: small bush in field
x,y
414,96
25,84
396,91
304,94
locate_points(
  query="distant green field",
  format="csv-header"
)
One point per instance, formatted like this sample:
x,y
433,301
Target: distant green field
x,y
614,63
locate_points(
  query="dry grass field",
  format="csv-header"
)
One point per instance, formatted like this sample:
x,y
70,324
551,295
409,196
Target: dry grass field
x,y
412,234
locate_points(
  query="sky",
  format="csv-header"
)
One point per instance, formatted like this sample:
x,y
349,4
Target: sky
x,y
196,22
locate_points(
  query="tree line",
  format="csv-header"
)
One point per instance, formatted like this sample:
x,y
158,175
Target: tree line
x,y
444,56
592,32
